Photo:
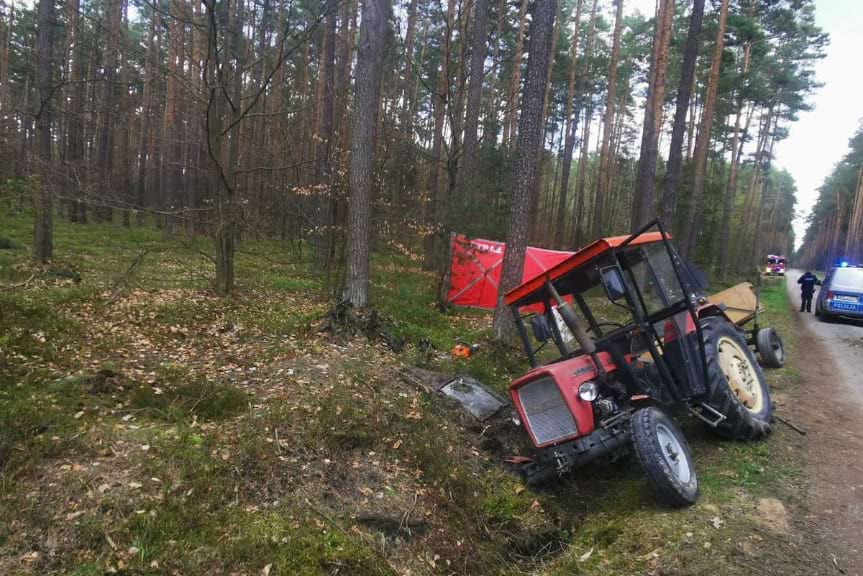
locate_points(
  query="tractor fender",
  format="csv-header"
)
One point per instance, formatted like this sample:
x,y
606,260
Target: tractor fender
x,y
710,310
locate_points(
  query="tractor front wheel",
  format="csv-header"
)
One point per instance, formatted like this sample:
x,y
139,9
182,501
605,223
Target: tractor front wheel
x,y
735,383
664,454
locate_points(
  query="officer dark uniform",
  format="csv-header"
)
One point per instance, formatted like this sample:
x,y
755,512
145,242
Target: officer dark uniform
x,y
807,288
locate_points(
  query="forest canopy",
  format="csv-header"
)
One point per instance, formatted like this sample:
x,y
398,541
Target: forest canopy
x,y
237,119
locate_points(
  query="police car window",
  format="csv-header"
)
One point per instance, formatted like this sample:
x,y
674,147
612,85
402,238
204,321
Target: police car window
x,y
848,278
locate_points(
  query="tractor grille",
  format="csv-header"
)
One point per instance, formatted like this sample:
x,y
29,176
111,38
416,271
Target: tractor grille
x,y
546,413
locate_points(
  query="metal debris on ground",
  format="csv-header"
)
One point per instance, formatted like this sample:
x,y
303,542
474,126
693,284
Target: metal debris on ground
x,y
478,400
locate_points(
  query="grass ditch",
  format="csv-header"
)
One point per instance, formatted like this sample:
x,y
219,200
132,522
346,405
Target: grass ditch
x,y
235,468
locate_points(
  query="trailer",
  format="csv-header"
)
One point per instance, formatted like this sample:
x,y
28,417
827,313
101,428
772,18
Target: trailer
x,y
742,305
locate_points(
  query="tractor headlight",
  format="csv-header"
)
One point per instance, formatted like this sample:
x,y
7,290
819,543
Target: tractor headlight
x,y
588,391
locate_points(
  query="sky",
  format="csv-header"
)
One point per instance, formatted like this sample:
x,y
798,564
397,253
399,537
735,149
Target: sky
x,y
819,139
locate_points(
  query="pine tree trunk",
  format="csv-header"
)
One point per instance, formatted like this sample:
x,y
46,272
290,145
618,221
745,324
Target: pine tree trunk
x,y
746,214
855,234
434,206
456,109
171,168
75,133
221,173
144,153
608,126
6,24
491,120
124,132
406,119
466,187
583,159
324,148
684,95
643,202
105,145
755,251
537,211
702,141
366,94
530,131
571,113
43,234
731,187
511,115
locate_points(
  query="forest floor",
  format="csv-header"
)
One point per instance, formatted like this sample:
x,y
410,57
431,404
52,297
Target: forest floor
x,y
148,426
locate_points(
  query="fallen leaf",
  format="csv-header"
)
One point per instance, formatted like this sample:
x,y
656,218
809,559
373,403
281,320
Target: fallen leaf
x,y
717,522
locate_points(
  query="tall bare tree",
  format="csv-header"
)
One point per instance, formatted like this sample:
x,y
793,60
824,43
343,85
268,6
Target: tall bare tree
x,y
702,141
571,115
43,236
684,95
466,174
324,206
608,126
731,185
434,206
511,115
530,131
642,205
375,14
586,97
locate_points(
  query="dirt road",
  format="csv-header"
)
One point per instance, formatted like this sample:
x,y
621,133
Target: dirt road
x,y
830,359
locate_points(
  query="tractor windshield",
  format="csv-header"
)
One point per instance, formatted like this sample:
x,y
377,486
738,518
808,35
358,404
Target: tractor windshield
x,y
650,268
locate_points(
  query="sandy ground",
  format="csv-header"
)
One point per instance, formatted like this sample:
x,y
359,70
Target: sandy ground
x,y
830,359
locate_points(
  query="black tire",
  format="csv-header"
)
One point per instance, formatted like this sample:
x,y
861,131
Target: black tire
x,y
664,454
770,348
741,422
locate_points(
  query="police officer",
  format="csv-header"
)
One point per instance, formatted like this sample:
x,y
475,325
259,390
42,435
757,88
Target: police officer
x,y
807,288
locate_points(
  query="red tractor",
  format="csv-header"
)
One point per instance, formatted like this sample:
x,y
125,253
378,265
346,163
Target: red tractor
x,y
620,339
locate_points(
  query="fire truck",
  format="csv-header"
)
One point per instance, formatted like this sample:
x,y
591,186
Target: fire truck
x,y
775,265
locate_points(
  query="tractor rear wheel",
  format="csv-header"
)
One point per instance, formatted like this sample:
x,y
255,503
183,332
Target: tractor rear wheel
x,y
770,348
735,383
664,454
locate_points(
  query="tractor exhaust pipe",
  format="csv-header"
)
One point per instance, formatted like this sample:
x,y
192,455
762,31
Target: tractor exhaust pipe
x,y
572,322
566,312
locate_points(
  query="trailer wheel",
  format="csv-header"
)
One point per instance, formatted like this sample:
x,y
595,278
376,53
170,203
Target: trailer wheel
x,y
735,383
664,454
770,348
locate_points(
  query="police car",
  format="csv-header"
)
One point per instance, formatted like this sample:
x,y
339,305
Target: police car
x,y
841,293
